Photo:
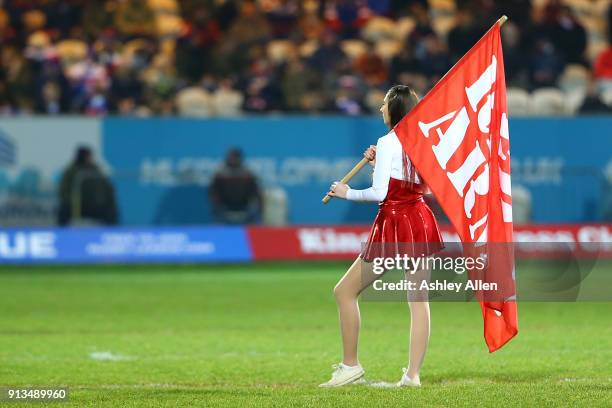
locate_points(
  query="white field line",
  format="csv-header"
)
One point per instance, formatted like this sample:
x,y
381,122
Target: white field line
x,y
109,356
380,384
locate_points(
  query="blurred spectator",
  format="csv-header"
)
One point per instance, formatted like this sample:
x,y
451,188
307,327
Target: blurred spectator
x,y
195,46
161,82
592,103
422,27
248,29
568,35
464,35
33,21
96,16
125,85
371,67
434,58
514,61
51,100
134,18
404,63
85,193
347,103
89,81
328,54
546,64
298,81
345,17
6,31
19,80
234,192
226,12
64,15
282,16
407,70
263,92
310,25
345,90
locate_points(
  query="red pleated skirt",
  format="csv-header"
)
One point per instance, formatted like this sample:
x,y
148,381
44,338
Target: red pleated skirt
x,y
404,225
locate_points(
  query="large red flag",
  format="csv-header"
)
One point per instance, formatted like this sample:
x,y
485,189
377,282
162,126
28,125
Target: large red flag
x,y
457,137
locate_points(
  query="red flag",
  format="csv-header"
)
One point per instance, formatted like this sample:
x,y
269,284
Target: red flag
x,y
457,137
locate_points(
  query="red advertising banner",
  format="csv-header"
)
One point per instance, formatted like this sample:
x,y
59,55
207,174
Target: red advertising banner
x,y
344,242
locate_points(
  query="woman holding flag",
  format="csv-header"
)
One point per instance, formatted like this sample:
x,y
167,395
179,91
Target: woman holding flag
x,y
403,221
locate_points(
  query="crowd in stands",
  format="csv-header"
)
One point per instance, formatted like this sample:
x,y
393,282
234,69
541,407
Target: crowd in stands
x,y
213,57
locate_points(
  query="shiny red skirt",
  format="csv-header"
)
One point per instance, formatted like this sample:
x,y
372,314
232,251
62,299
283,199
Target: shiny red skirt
x,y
404,225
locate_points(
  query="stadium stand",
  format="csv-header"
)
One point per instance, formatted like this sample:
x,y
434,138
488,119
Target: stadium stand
x,y
206,58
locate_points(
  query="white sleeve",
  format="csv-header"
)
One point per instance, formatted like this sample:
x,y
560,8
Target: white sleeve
x,y
382,174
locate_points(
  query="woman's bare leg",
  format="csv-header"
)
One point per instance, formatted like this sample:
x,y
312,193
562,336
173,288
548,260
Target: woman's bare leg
x,y
357,278
419,326
419,337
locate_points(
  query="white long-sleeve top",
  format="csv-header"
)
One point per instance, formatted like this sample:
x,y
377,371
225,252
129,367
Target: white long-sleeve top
x,y
389,162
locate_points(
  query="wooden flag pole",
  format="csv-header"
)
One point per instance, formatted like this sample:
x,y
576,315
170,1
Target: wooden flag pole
x,y
348,176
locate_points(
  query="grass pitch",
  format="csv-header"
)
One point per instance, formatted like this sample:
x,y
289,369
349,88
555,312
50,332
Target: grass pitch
x,y
266,334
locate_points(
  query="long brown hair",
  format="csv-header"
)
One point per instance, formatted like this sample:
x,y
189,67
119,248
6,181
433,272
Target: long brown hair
x,y
400,100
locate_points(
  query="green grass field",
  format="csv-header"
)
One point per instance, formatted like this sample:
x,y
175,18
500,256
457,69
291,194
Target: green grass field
x,y
266,334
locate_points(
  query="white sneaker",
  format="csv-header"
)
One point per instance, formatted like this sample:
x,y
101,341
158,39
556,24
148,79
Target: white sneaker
x,y
407,381
344,375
